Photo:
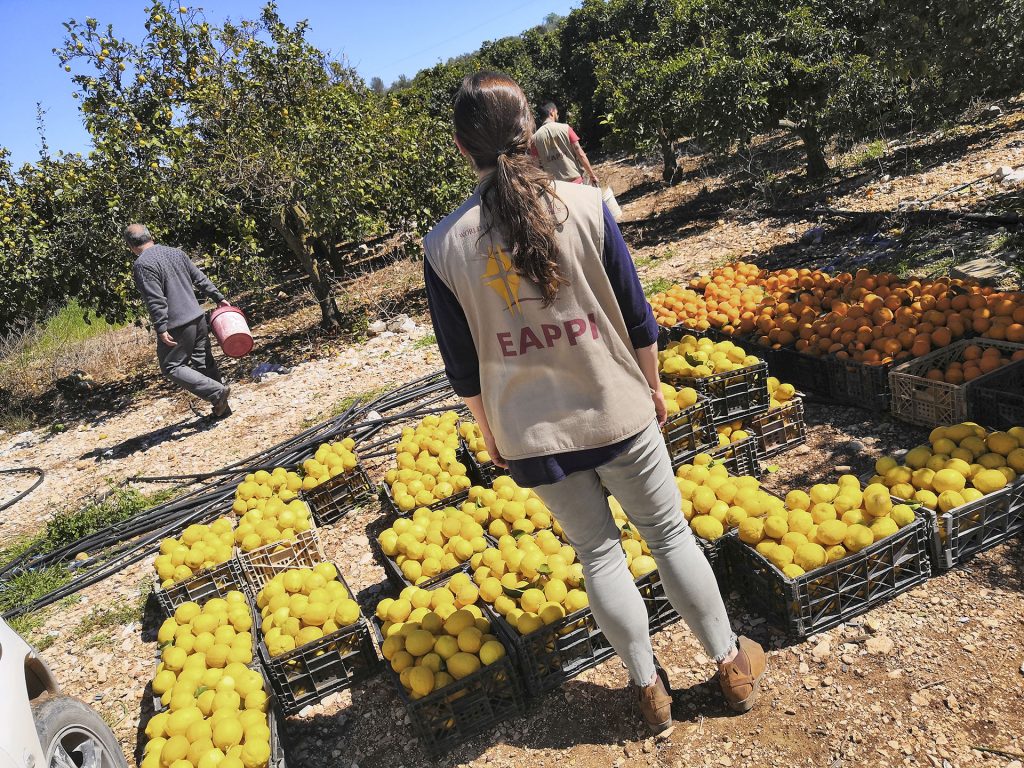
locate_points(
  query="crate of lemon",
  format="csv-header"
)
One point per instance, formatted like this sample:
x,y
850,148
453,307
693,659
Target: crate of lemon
x,y
313,639
431,544
269,510
969,483
828,554
688,428
453,673
736,382
212,709
533,587
198,565
431,466
334,481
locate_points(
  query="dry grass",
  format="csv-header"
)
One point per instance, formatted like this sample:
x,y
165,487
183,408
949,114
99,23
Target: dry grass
x,y
41,359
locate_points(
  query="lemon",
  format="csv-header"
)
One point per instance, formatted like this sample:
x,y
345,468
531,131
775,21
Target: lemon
x,y
775,526
780,556
948,480
167,631
883,527
446,646
179,722
810,556
186,612
176,748
421,680
707,527
257,700
491,651
857,537
211,759
902,515
835,552
527,623
157,725
462,665
989,481
642,565
419,642
831,532
174,657
950,500
469,640
793,571
576,600
551,612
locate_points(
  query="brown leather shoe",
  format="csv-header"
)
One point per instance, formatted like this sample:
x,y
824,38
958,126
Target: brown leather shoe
x,y
741,678
656,703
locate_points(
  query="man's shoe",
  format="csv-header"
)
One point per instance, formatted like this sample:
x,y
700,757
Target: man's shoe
x,y
656,703
221,409
741,678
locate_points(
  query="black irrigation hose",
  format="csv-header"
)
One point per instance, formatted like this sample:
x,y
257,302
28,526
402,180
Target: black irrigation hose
x,y
128,541
22,471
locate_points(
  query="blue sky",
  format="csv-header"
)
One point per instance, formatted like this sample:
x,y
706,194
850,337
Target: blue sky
x,y
385,38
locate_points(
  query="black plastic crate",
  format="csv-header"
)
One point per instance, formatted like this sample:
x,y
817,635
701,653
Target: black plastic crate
x,y
836,592
213,582
998,401
465,708
333,499
556,652
690,431
808,373
859,384
396,577
389,507
262,564
308,674
780,429
660,613
961,533
482,473
734,395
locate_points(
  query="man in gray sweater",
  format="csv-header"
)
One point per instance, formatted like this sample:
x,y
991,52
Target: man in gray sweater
x,y
166,278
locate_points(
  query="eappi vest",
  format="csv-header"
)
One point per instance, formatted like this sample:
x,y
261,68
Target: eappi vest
x,y
553,379
555,152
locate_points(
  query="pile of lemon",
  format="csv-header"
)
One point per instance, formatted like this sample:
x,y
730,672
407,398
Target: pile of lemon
x,y
301,605
693,357
638,554
437,637
200,547
428,466
960,464
507,508
330,460
432,542
677,400
733,432
260,486
474,438
276,522
823,524
531,581
779,393
713,501
216,706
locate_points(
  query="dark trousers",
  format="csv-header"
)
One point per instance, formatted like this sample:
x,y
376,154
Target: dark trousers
x,y
190,363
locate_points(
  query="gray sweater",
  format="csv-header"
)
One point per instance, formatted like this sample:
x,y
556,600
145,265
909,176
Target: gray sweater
x,y
165,277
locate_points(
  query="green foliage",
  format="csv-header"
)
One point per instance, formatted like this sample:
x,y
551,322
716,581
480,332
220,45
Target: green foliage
x,y
427,341
657,285
26,586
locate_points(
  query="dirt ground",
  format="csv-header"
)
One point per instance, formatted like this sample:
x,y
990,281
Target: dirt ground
x,y
932,678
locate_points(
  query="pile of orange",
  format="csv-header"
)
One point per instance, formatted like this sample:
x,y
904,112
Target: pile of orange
x,y
868,317
976,362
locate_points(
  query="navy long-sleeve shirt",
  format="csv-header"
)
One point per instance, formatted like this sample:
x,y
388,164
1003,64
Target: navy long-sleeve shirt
x,y
462,366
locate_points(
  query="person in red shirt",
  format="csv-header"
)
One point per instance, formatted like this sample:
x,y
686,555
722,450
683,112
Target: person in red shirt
x,y
558,148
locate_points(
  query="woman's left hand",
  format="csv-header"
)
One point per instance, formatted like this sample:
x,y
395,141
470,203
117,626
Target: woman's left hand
x,y
492,451
659,406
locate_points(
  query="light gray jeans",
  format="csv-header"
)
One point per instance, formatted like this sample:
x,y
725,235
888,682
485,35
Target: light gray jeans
x,y
642,481
190,363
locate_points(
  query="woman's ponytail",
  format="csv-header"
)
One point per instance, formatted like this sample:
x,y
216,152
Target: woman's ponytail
x,y
494,126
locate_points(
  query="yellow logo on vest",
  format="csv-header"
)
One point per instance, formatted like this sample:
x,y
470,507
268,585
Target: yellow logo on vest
x,y
500,278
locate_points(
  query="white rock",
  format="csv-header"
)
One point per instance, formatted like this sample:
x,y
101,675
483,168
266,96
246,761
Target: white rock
x,y
377,327
1002,172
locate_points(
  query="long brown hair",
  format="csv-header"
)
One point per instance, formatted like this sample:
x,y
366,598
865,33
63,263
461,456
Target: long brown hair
x,y
494,125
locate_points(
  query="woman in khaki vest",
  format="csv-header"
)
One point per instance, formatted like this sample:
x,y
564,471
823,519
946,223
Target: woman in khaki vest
x,y
546,334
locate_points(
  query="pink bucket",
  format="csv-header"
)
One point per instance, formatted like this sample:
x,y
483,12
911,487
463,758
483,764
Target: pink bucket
x,y
232,331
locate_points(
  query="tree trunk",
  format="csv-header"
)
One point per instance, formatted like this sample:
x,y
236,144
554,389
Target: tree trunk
x,y
817,165
291,225
668,157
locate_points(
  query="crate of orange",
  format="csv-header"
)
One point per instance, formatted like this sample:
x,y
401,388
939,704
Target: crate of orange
x,y
933,390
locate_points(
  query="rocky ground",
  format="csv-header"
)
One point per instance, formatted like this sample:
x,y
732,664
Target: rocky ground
x,y
933,678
